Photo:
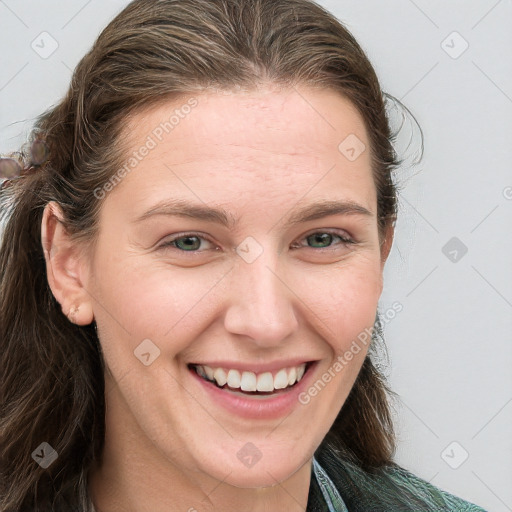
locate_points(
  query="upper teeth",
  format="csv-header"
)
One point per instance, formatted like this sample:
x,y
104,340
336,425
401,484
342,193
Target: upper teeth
x,y
249,381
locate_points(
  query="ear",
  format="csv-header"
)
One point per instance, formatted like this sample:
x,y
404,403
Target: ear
x,y
385,247
65,267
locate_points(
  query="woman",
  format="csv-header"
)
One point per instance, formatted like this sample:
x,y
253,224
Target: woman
x,y
190,273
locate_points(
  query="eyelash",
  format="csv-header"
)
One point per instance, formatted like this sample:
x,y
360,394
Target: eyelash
x,y
345,241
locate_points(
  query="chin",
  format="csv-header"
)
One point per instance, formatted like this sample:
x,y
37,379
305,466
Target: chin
x,y
258,472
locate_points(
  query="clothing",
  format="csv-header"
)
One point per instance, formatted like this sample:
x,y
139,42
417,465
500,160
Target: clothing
x,y
331,496
340,486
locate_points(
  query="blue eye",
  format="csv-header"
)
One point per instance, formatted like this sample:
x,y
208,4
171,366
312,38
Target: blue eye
x,y
324,240
192,242
186,243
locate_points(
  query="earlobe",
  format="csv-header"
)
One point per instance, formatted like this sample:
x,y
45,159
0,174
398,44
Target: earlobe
x,y
63,267
81,314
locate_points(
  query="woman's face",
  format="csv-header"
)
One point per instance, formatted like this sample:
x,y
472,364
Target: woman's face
x,y
244,238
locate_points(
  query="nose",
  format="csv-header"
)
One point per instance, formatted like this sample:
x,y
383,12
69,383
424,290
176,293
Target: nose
x,y
261,302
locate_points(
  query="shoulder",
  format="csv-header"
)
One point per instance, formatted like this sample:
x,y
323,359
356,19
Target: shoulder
x,y
388,489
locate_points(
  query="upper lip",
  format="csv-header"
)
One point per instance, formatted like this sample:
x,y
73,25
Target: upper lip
x,y
254,367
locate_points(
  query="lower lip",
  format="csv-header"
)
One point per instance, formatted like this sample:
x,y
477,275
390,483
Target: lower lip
x,y
257,406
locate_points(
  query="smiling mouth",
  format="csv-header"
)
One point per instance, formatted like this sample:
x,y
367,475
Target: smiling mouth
x,y
249,383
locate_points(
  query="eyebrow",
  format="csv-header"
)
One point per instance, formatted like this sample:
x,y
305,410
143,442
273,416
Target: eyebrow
x,y
181,208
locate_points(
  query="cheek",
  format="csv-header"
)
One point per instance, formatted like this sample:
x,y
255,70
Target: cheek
x,y
345,301
347,312
151,301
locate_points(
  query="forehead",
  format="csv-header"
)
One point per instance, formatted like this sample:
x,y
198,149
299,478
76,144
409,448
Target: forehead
x,y
278,142
305,119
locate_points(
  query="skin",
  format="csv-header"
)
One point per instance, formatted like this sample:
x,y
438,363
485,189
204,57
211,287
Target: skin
x,y
260,156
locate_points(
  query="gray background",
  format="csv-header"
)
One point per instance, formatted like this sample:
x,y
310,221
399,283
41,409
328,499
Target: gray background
x,y
450,346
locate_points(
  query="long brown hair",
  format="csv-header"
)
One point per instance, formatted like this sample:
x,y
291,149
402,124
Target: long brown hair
x,y
53,389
